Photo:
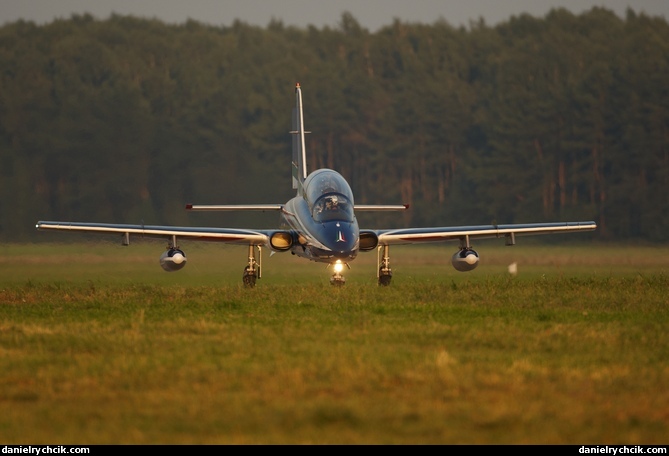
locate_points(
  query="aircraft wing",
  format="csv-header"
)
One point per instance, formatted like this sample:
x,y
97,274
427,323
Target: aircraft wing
x,y
280,207
234,207
381,208
439,234
225,235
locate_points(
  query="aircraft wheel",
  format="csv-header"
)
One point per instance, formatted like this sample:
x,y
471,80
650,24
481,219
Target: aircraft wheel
x,y
249,278
337,281
384,279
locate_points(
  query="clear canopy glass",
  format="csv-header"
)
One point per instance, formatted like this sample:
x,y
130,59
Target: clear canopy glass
x,y
332,206
331,197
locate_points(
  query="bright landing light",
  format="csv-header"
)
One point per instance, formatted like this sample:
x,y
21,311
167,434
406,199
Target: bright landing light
x,y
338,266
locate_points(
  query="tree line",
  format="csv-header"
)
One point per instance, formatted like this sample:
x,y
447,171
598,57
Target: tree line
x,y
559,118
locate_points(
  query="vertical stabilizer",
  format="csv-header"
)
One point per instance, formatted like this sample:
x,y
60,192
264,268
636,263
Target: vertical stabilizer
x,y
299,152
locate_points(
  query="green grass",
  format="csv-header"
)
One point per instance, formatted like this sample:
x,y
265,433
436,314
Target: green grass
x,y
99,345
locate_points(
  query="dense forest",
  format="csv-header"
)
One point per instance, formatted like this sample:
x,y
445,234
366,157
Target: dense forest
x,y
126,120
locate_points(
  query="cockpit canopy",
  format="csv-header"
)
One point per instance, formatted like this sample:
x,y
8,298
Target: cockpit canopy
x,y
332,206
329,195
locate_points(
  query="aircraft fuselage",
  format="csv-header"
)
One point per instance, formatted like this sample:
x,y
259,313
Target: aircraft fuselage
x,y
322,217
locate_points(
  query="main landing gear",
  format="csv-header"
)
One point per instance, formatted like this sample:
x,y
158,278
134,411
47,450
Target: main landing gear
x,y
385,274
252,271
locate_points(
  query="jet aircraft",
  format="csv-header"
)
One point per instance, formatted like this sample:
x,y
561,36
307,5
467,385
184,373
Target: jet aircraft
x,y
318,224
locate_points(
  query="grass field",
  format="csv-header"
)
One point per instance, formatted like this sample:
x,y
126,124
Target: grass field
x,y
99,345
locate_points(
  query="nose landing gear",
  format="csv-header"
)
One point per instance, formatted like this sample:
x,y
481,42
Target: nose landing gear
x,y
337,279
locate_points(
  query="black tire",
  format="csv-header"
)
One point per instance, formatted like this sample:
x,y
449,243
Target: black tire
x,y
249,278
384,279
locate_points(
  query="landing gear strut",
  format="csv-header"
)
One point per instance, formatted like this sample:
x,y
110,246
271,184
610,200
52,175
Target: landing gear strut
x,y
385,274
252,271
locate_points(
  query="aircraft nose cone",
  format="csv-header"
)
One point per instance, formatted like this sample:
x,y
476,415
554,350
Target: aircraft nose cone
x,y
341,238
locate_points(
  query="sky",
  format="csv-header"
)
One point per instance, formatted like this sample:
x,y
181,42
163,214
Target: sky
x,y
371,14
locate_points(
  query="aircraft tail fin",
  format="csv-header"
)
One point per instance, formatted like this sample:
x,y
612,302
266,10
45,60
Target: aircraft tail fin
x,y
299,152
